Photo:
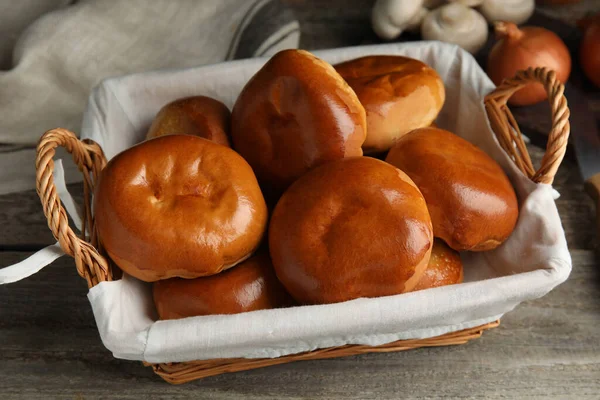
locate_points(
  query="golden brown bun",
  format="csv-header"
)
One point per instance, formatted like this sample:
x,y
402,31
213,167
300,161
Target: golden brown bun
x,y
294,114
178,205
198,116
471,201
249,286
444,268
399,94
356,227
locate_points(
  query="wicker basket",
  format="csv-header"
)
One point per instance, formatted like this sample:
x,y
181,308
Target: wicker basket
x,y
95,267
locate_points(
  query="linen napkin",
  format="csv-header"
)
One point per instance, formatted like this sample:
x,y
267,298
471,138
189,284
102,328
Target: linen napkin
x,y
63,54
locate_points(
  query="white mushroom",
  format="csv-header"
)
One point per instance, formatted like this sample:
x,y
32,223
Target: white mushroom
x,y
458,24
390,18
515,11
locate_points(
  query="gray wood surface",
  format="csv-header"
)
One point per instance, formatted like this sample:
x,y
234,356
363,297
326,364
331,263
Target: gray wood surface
x,y
546,348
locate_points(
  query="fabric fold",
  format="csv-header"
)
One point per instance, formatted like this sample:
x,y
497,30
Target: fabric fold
x,y
73,46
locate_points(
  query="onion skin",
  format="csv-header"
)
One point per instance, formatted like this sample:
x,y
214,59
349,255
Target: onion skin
x,y
589,52
519,49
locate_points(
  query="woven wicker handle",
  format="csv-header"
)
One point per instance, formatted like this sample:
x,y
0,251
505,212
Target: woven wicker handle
x,y
90,159
508,133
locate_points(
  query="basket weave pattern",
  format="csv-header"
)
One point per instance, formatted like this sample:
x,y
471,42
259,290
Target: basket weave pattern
x,y
95,267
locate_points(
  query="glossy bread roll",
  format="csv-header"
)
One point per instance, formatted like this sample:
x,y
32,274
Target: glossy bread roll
x,y
199,116
178,206
249,286
356,227
444,267
399,94
294,114
471,201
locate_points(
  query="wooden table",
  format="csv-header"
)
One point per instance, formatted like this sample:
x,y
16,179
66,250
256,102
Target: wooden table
x,y
547,348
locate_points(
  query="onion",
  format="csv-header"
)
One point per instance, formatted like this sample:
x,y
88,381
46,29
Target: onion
x,y
519,49
589,51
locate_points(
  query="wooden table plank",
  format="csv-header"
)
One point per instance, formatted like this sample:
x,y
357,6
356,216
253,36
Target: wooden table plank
x,y
547,347
24,226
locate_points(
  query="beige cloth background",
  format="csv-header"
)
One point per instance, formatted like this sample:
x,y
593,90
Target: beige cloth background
x,y
53,53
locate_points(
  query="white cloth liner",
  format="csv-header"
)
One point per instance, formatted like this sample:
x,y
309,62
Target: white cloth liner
x,y
530,263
